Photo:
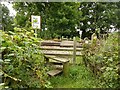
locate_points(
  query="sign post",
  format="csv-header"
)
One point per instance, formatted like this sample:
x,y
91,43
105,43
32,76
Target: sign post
x,y
80,33
36,23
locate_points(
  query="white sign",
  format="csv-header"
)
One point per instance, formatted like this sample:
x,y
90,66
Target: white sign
x,y
80,32
35,22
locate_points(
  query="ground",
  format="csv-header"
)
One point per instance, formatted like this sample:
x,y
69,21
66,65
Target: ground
x,y
79,77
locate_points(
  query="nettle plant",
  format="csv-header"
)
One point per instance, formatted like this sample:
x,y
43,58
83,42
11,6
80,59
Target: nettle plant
x,y
23,63
103,54
109,53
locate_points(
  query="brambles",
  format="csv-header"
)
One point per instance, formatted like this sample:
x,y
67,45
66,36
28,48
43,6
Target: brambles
x,y
23,64
103,60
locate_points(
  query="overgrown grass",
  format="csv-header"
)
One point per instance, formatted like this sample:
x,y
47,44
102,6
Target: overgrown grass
x,y
79,77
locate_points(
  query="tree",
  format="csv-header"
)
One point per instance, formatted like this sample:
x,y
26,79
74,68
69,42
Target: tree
x,y
62,18
59,18
7,20
98,17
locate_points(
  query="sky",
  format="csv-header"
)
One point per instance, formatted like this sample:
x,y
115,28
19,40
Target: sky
x,y
9,5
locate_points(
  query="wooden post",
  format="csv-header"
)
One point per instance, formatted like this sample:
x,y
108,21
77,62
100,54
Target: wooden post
x,y
62,38
36,33
74,50
65,68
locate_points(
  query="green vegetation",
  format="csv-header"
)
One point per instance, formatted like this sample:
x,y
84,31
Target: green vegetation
x,y
97,17
5,20
61,18
103,60
22,63
79,77
102,66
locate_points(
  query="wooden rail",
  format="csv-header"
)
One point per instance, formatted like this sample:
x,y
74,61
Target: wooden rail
x,y
57,50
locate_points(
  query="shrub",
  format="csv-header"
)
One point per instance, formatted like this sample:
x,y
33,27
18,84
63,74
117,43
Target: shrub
x,y
102,56
23,64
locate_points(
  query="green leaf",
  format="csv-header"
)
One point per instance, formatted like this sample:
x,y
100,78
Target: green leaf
x,y
2,49
2,85
12,54
7,60
1,61
10,43
11,32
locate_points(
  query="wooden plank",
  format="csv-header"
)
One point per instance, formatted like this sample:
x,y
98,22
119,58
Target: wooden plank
x,y
50,56
63,53
47,52
54,72
58,59
58,67
66,43
55,63
70,44
49,43
59,48
74,51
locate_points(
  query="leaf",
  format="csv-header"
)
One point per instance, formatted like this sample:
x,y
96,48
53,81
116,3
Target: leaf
x,y
2,49
11,32
1,40
1,61
2,84
10,43
110,59
109,69
12,54
7,60
34,45
1,73
10,67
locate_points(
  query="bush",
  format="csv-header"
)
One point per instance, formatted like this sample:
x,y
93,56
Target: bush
x,y
103,54
23,64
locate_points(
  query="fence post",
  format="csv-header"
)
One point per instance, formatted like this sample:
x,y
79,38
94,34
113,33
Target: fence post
x,y
74,50
62,38
65,68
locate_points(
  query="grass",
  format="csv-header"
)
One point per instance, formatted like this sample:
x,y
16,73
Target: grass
x,y
79,77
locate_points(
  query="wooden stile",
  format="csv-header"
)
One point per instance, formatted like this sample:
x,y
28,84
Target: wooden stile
x,y
61,52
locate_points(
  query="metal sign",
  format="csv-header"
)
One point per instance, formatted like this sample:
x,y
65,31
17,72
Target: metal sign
x,y
36,22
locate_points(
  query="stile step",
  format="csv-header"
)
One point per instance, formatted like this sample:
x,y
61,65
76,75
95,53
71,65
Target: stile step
x,y
59,67
54,72
55,63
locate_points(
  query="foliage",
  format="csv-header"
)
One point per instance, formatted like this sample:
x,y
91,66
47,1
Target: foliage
x,y
59,18
110,59
103,58
23,64
98,15
79,77
7,20
63,18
